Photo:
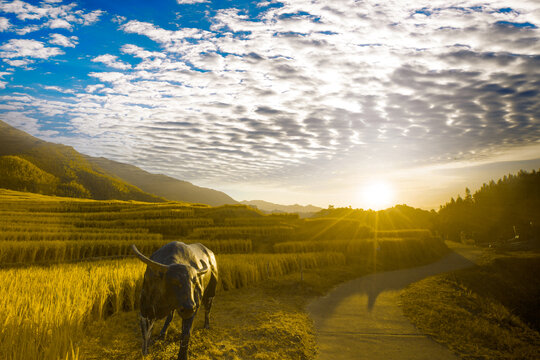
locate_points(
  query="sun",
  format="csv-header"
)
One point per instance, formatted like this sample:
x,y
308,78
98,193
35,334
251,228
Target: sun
x,y
377,195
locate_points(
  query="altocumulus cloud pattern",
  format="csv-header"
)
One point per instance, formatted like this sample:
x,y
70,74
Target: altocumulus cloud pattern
x,y
249,90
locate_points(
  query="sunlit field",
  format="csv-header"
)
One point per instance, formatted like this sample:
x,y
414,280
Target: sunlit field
x,y
269,180
66,262
489,311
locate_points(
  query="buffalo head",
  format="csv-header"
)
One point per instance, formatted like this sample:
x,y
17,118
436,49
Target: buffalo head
x,y
179,283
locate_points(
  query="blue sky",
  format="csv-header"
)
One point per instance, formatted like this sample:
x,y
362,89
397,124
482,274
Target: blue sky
x,y
292,101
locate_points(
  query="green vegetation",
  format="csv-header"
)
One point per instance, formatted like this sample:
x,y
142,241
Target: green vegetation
x,y
397,217
21,174
58,304
161,185
491,213
270,265
30,164
489,311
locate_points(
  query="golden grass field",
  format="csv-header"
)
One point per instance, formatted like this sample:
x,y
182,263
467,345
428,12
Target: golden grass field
x,y
489,311
73,286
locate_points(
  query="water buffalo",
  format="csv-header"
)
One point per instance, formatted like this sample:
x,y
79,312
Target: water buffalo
x,y
178,277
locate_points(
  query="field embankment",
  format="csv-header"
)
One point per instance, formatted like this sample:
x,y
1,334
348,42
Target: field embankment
x,y
56,300
489,311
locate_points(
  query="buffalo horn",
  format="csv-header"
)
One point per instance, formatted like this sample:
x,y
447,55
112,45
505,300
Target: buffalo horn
x,y
204,270
155,266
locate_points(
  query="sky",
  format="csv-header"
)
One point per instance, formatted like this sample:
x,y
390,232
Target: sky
x,y
305,101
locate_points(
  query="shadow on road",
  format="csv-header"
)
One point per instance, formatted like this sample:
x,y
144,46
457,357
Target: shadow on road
x,y
347,329
375,284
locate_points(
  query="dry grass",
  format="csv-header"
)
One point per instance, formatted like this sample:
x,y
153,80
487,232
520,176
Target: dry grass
x,y
50,309
50,306
265,321
238,271
31,252
486,312
390,252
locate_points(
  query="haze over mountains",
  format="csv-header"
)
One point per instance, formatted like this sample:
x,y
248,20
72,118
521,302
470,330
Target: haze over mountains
x,y
269,207
162,185
30,164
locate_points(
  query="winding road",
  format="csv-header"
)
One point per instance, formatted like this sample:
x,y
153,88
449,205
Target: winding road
x,y
362,319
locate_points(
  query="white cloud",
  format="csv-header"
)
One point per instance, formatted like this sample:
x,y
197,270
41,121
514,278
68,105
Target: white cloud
x,y
25,48
140,52
111,77
50,14
92,88
59,24
91,17
18,63
118,19
310,87
61,40
4,24
26,11
27,29
112,61
4,83
166,37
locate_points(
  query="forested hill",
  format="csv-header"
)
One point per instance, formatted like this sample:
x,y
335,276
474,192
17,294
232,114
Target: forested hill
x,y
492,212
168,187
397,217
33,165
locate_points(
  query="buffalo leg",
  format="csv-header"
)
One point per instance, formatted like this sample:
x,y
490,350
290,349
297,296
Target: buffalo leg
x,y
166,325
184,341
146,330
207,307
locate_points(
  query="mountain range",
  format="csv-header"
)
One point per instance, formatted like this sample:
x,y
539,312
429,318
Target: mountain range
x,y
162,185
268,207
30,164
34,165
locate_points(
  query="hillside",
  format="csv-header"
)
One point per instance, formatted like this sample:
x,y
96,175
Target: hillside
x,y
34,165
30,164
162,185
397,217
277,208
497,211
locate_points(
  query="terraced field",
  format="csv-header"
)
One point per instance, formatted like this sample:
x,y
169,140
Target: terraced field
x,y
66,264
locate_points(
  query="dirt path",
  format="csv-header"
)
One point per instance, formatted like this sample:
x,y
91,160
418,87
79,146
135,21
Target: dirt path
x,y
362,319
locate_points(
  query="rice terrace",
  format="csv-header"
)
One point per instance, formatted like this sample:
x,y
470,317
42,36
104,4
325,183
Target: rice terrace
x,y
269,180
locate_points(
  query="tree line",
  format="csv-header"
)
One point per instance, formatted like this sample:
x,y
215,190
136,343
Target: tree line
x,y
497,211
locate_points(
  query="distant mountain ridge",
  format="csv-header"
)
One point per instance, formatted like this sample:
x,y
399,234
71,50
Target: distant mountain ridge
x,y
271,207
30,164
33,165
162,185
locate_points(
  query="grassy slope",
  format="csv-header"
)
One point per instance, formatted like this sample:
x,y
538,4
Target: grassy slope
x,y
162,185
65,171
485,312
